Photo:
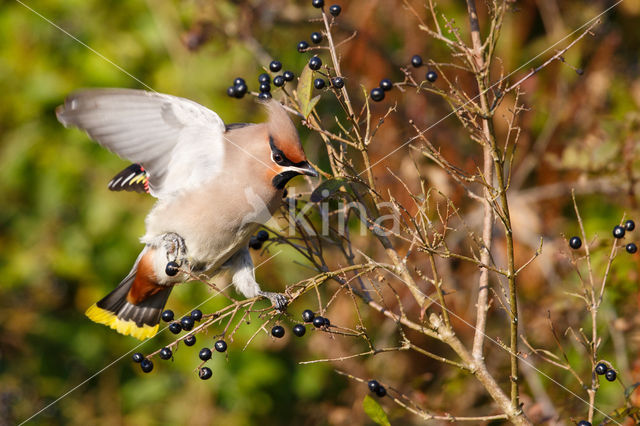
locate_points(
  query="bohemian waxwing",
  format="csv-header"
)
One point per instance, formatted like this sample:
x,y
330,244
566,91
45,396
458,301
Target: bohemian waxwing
x,y
214,185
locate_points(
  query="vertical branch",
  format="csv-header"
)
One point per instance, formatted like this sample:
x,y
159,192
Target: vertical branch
x,y
347,101
491,151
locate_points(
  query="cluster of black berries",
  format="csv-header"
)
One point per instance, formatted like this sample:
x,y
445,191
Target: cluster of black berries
x,y
609,373
618,233
431,75
317,321
377,94
205,355
255,242
377,388
145,363
333,10
299,329
239,87
186,323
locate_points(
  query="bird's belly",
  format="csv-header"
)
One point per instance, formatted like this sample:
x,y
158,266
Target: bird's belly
x,y
212,231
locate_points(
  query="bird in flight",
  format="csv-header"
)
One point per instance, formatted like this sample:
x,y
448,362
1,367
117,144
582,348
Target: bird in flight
x,y
213,182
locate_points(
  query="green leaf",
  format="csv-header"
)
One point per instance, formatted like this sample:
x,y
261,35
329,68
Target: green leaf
x,y
326,189
375,411
311,106
305,90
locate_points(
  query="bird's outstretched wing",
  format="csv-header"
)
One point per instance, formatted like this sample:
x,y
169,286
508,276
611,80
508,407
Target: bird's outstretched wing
x,y
178,142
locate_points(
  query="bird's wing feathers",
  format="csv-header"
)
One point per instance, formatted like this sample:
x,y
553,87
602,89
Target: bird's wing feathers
x,y
179,142
133,178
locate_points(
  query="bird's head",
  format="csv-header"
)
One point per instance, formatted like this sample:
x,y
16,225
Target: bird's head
x,y
287,157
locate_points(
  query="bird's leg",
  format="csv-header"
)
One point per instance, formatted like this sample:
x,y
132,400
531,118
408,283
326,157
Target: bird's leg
x,y
278,300
176,252
244,279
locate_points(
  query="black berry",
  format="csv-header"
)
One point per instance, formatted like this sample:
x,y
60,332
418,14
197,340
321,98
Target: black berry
x,y
630,225
264,96
601,368
231,91
575,243
377,94
275,66
631,248
167,315
431,76
187,323
381,392
337,82
303,46
165,353
205,373
264,78
299,330
386,84
373,385
335,10
175,327
611,375
137,357
288,76
255,244
221,346
584,423
307,315
205,354
262,235
315,63
172,268
316,37
265,87
618,231
416,61
240,89
278,81
317,3
277,331
146,365
318,83
318,322
238,81
327,323
196,314
190,340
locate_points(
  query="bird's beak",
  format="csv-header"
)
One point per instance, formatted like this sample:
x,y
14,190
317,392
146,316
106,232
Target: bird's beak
x,y
305,169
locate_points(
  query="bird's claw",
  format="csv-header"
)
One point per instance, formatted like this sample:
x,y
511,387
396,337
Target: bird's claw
x,y
278,300
174,247
176,252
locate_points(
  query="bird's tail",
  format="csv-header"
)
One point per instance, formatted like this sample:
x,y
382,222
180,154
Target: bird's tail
x,y
134,307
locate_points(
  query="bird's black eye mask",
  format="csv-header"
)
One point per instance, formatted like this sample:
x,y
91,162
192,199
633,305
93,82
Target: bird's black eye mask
x,y
280,159
280,180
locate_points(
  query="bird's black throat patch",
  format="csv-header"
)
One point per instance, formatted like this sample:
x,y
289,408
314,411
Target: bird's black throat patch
x,y
280,180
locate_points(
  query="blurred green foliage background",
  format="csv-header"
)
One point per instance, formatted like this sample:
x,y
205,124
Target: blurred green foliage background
x,y
65,240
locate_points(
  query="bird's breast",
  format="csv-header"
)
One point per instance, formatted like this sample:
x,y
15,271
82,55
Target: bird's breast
x,y
215,220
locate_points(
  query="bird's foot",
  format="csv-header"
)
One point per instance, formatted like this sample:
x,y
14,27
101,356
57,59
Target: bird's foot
x,y
176,252
278,300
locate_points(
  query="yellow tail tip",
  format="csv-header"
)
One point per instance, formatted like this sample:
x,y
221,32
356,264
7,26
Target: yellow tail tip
x,y
126,327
